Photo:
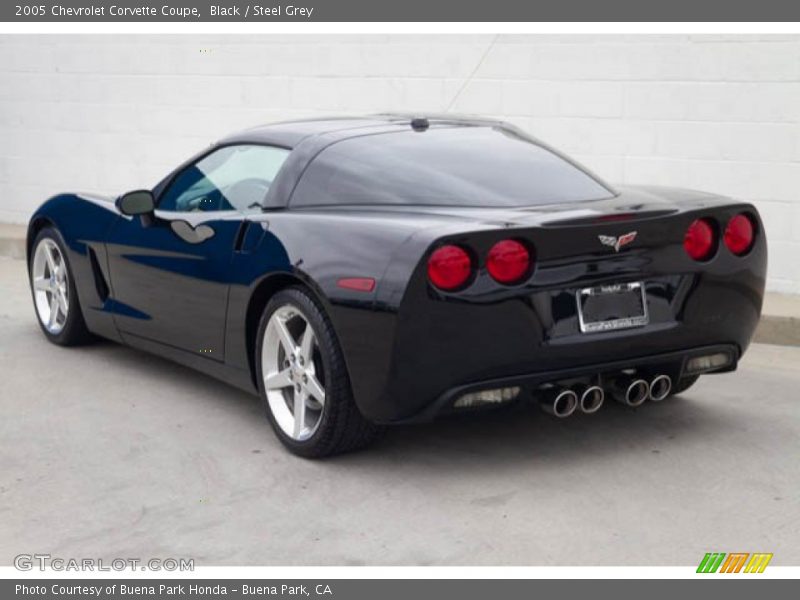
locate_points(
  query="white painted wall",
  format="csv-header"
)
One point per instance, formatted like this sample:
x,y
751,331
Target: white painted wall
x,y
718,113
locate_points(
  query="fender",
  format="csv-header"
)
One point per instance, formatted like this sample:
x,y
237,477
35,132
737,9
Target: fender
x,y
83,221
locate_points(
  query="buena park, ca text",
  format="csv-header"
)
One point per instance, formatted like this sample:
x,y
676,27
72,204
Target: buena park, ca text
x,y
178,590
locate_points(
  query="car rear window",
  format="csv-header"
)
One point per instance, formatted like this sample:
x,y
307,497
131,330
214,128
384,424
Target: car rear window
x,y
443,166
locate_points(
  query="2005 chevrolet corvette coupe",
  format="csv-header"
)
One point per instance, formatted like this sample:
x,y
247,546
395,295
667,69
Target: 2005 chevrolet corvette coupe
x,y
357,272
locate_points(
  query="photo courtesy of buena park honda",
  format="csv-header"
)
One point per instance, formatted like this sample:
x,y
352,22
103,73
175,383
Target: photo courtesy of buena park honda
x,y
359,272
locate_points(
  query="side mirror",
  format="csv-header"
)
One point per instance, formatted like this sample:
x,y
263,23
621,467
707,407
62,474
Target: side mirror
x,y
138,202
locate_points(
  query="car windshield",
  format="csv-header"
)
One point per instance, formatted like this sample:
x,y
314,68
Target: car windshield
x,y
444,166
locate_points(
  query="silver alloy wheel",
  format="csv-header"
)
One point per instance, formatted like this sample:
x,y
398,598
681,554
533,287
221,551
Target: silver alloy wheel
x,y
291,368
50,282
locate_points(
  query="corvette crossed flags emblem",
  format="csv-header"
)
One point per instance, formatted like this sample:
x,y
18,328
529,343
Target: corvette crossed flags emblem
x,y
617,242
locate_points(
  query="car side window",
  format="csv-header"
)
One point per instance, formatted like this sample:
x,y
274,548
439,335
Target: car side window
x,y
233,177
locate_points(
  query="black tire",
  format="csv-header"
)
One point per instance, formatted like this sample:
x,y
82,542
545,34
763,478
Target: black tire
x,y
74,332
342,428
684,384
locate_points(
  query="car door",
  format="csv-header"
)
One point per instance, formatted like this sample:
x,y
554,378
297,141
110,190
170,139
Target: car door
x,y
171,271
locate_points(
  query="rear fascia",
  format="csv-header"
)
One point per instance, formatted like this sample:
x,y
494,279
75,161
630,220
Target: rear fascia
x,y
445,343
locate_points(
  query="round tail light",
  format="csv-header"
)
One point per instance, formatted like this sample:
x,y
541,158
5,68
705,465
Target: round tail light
x,y
449,267
739,234
699,239
508,261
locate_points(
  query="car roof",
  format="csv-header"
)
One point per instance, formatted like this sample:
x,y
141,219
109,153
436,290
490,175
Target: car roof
x,y
290,133
314,134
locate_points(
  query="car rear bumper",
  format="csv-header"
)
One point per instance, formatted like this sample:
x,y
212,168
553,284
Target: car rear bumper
x,y
672,364
441,349
444,349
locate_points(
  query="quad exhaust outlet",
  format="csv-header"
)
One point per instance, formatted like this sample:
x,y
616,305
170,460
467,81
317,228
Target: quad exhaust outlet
x,y
660,387
591,398
559,402
630,390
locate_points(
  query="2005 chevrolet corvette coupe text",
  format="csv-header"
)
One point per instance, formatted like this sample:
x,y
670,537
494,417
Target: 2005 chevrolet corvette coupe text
x,y
362,271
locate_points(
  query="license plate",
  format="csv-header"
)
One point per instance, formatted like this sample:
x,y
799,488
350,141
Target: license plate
x,y
611,307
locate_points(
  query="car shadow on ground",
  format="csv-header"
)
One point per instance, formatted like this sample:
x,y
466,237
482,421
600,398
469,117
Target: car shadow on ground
x,y
523,435
502,438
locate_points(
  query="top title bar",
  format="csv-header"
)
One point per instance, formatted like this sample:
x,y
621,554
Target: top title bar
x,y
87,11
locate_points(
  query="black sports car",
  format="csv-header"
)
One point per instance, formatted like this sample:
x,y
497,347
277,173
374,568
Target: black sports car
x,y
362,271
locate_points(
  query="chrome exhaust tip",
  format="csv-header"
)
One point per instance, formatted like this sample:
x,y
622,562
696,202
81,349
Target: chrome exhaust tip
x,y
631,391
660,387
559,402
591,398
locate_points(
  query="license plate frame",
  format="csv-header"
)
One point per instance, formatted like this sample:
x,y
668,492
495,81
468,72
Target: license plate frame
x,y
612,324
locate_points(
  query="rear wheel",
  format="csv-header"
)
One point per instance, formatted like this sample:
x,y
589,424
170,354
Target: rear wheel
x,y
684,384
55,297
303,380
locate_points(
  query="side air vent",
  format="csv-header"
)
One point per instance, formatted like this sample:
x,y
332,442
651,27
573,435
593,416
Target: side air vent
x,y
100,283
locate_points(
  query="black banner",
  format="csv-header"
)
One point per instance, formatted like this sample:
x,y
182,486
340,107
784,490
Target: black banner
x,y
731,588
405,11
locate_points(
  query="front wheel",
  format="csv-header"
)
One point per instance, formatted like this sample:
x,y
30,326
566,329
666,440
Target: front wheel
x,y
303,380
53,287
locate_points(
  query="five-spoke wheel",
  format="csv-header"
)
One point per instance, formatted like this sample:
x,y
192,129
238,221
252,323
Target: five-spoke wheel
x,y
54,291
292,371
303,379
50,286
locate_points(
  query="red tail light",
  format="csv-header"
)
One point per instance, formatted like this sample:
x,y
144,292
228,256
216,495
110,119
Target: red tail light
x,y
449,267
508,261
699,239
739,234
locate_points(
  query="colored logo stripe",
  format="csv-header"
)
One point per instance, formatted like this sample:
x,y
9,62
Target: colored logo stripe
x,y
758,563
734,562
711,562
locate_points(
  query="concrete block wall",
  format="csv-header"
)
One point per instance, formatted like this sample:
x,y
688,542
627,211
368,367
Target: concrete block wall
x,y
110,113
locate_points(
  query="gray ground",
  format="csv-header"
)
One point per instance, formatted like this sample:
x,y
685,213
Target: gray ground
x,y
109,452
